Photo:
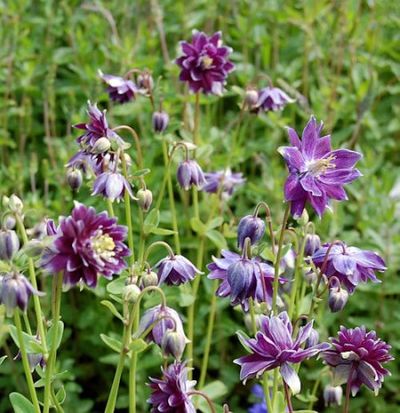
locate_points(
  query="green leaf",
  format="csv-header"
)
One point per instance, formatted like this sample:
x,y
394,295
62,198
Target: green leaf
x,y
198,226
217,238
151,222
59,376
116,286
141,172
112,309
50,335
138,345
162,231
280,404
213,390
61,395
216,222
32,345
113,343
20,403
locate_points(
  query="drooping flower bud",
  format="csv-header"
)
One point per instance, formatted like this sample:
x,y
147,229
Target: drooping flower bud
x,y
15,204
173,343
160,121
34,248
313,339
9,244
338,296
251,97
189,173
74,179
149,278
145,199
9,222
250,227
131,293
102,145
145,82
333,395
313,242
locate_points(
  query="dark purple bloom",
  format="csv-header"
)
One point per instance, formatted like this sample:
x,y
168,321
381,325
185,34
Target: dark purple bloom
x,y
227,179
357,356
120,90
205,63
9,244
74,178
313,242
111,185
175,270
87,245
333,395
169,320
350,265
250,227
242,278
160,121
15,290
189,173
171,393
316,173
274,347
271,99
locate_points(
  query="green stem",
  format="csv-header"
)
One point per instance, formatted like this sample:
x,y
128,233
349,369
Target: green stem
x,y
56,305
266,392
128,212
196,119
132,371
253,316
25,363
110,208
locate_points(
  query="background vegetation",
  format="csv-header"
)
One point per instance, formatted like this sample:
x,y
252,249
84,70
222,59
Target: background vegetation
x,y
339,58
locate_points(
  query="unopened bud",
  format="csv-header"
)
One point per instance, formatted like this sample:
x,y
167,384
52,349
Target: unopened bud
x,y
102,145
149,279
74,179
333,395
9,244
303,218
313,339
338,296
250,227
313,243
15,204
251,97
131,293
145,82
9,222
145,199
160,121
173,344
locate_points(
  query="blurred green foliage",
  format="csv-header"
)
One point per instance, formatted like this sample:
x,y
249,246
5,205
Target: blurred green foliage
x,y
339,58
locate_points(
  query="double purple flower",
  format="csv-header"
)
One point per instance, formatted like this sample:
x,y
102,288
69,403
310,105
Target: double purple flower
x,y
273,346
176,270
316,172
226,179
119,89
271,99
205,63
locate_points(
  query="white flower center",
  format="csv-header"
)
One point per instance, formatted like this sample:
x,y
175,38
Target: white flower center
x,y
320,166
103,246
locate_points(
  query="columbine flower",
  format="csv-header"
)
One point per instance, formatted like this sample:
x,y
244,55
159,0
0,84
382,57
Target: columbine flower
x,y
205,63
271,99
9,244
250,227
357,356
227,179
15,290
333,395
175,270
87,245
316,173
160,121
350,265
119,89
313,243
111,185
274,347
242,278
171,393
189,173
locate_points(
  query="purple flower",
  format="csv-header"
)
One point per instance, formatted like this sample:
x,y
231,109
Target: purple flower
x,y
260,406
333,395
189,173
119,89
274,347
316,173
228,180
205,63
111,185
242,278
271,99
175,270
250,227
350,265
171,393
87,245
357,356
313,242
169,321
160,121
9,244
15,290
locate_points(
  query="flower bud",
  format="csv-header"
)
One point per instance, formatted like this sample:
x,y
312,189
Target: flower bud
x,y
74,179
338,296
160,121
313,339
9,244
145,82
9,222
145,199
34,248
149,279
131,293
102,145
15,204
303,218
313,243
248,321
251,97
333,395
173,343
250,227
189,173
310,277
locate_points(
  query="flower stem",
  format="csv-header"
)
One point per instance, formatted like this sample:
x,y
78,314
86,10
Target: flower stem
x,y
25,362
347,399
205,397
196,119
288,398
56,305
266,392
110,208
136,138
132,370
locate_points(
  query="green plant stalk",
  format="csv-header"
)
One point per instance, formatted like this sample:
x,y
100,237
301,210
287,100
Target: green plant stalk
x,y
266,392
32,278
128,212
25,362
110,208
56,305
132,370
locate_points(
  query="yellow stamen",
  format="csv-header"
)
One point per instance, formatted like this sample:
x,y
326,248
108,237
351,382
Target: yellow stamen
x,y
321,165
103,245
